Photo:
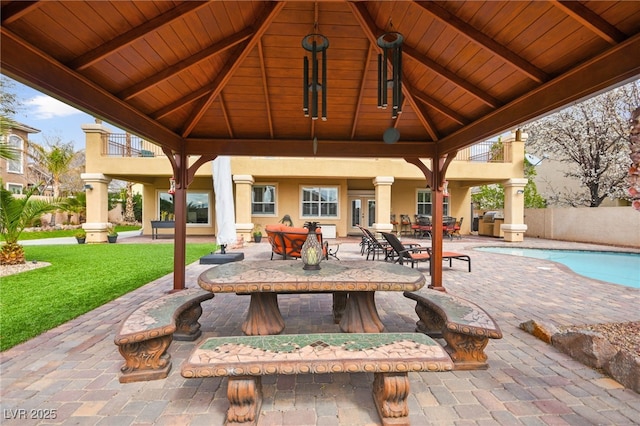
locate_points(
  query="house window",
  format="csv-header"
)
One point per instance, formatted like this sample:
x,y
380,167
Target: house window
x,y
198,211
424,203
263,200
14,188
319,201
16,165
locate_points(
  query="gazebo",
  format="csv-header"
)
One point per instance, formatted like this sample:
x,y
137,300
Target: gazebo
x,y
395,79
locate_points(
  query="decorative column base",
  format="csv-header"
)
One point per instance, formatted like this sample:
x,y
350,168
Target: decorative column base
x,y
514,232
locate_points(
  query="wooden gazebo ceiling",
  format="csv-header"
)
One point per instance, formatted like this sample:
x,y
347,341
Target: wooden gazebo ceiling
x,y
225,77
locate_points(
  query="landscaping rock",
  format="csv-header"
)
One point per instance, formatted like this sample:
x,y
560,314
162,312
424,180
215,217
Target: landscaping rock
x,y
541,330
625,368
590,348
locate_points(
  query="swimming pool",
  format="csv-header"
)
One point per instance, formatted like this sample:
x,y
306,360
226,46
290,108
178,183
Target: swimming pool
x,y
613,267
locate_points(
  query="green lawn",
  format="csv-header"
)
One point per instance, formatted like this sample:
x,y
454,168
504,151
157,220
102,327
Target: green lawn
x,y
81,278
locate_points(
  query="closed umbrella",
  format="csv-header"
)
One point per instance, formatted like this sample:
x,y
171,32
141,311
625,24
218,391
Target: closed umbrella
x,y
225,210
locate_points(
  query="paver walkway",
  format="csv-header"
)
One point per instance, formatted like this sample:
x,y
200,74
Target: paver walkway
x,y
73,369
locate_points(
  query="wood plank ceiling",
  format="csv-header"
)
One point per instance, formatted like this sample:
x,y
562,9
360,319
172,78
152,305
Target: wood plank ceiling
x,y
225,77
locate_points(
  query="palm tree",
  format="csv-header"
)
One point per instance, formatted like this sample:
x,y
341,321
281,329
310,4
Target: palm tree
x,y
56,159
16,213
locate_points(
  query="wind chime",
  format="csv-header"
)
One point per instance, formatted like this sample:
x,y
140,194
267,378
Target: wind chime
x,y
315,43
391,45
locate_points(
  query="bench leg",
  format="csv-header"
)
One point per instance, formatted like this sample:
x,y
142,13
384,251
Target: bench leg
x,y
390,391
145,360
430,322
466,352
264,315
187,325
245,399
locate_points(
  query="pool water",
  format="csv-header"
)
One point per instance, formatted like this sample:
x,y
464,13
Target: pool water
x,y
613,267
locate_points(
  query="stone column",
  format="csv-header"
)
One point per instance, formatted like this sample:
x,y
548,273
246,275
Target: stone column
x,y
383,203
243,205
514,227
97,188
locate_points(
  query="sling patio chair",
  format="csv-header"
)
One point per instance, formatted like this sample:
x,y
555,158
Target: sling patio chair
x,y
372,246
420,254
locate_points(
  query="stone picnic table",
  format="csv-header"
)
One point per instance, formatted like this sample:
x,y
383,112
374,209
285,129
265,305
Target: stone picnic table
x,y
353,284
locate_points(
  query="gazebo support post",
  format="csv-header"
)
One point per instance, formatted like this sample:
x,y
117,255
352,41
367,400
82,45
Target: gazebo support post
x,y
435,180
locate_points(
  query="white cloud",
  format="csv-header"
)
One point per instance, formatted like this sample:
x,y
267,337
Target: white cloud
x,y
45,107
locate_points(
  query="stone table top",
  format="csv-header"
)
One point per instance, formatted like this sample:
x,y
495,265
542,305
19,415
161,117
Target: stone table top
x,y
283,276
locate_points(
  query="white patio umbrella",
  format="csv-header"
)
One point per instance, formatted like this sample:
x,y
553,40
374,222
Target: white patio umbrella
x,y
225,210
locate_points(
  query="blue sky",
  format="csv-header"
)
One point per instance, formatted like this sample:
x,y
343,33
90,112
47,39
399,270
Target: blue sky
x,y
53,118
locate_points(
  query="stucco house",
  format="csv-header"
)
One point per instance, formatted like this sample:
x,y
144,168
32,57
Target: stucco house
x,y
16,174
339,193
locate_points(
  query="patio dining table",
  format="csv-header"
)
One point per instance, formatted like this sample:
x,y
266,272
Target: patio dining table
x,y
353,284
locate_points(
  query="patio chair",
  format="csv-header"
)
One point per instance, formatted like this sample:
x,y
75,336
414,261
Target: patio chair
x,y
374,246
456,229
423,226
421,254
405,224
413,254
448,227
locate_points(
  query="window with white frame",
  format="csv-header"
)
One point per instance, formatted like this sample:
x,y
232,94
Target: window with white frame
x,y
14,188
319,201
198,211
263,200
424,203
16,165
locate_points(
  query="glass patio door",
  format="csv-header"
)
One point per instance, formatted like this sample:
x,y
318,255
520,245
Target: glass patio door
x,y
362,212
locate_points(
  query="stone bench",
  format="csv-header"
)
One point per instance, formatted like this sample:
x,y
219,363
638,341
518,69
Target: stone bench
x,y
389,356
464,326
145,335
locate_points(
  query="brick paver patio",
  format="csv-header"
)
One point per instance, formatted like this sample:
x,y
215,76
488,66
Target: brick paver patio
x,y
74,368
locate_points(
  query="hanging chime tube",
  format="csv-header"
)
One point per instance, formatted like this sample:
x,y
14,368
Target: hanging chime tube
x,y
379,80
305,87
314,82
324,84
384,78
394,62
399,106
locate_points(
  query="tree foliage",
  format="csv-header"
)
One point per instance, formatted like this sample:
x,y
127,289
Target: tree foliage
x,y
9,105
55,159
591,137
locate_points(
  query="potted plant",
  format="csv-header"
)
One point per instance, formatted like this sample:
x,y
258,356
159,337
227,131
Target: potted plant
x,y
112,235
81,236
257,234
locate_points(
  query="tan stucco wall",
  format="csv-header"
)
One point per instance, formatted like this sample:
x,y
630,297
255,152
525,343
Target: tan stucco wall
x,y
601,225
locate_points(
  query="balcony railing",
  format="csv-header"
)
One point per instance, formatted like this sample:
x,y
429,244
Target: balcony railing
x,y
127,145
486,152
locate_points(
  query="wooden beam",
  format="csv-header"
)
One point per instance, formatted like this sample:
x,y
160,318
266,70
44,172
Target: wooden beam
x,y
125,39
262,26
304,148
617,65
483,40
591,20
483,97
458,118
365,69
17,9
27,64
185,64
265,88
